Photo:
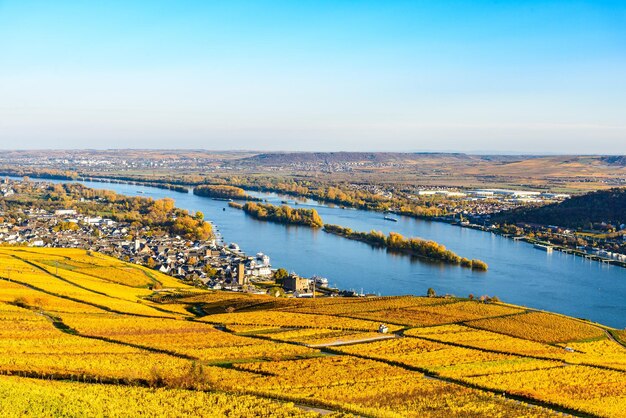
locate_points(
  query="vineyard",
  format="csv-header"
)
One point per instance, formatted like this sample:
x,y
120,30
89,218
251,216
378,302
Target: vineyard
x,y
82,334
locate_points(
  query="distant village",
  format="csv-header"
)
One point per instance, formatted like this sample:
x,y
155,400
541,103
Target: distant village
x,y
477,205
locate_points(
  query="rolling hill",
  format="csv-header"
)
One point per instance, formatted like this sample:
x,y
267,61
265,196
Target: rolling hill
x,y
607,206
87,335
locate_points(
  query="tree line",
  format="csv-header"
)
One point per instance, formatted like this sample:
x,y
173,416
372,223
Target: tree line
x,y
159,216
339,193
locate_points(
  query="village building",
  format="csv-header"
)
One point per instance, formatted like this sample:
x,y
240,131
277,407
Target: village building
x,y
295,283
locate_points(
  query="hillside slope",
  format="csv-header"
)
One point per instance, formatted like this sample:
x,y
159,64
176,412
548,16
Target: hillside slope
x,y
72,320
286,158
578,212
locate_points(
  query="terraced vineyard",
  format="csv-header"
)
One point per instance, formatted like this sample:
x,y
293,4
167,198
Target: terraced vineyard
x,y
85,334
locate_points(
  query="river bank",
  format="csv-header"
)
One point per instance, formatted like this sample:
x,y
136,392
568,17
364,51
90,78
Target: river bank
x,y
186,187
518,273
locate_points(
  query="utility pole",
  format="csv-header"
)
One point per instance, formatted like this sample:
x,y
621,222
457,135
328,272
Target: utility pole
x,y
9,270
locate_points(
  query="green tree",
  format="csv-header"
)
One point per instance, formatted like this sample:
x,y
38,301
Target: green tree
x,y
276,291
280,274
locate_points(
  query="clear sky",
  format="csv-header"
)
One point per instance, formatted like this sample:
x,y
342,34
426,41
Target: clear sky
x,y
522,76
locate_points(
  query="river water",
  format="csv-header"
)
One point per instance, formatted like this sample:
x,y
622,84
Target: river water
x,y
518,273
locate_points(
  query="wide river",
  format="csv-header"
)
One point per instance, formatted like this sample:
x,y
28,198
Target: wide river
x,y
518,273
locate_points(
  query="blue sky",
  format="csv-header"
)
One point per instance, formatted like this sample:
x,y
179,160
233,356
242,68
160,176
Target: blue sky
x,y
490,76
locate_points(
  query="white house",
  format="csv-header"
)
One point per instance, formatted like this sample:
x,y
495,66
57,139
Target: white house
x,y
64,212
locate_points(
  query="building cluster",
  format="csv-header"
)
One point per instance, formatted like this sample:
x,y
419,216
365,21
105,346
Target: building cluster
x,y
210,263
6,190
609,248
313,165
477,206
217,266
602,253
305,288
374,189
516,196
104,161
522,196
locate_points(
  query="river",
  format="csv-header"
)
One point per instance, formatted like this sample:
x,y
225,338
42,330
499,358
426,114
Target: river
x,y
518,273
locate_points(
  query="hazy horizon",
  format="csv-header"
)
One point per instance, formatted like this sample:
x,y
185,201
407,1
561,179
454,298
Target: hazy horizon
x,y
322,151
478,77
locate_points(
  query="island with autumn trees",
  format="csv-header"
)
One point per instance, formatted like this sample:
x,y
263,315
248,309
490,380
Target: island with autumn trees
x,y
413,246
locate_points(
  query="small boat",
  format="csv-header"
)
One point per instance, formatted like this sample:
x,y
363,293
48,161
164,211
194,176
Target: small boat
x,y
546,248
389,218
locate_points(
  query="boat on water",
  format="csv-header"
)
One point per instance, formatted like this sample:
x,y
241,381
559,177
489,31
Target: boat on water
x,y
546,248
389,218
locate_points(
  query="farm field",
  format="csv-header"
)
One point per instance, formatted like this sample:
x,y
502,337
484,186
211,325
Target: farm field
x,y
85,334
33,397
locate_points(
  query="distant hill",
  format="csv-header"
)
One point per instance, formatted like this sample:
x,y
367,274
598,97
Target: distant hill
x,y
508,163
578,212
615,160
283,158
